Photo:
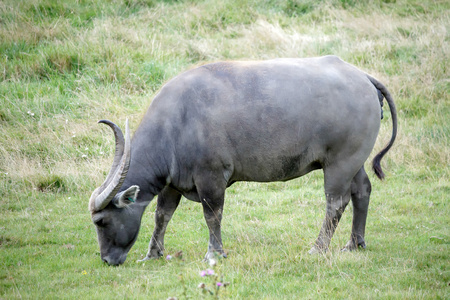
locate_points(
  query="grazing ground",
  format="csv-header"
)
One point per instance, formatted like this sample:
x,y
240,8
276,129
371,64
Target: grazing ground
x,y
66,64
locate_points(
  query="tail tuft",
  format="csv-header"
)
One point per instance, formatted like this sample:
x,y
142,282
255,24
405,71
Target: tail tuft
x,y
376,166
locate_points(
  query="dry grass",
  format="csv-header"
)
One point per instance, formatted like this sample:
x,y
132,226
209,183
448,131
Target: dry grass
x,y
409,54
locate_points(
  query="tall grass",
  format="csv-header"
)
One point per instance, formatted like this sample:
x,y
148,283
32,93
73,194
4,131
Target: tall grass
x,y
66,64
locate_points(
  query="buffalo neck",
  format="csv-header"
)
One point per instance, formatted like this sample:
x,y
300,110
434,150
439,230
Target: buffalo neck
x,y
149,165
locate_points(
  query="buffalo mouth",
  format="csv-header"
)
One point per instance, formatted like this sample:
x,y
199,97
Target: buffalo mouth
x,y
114,261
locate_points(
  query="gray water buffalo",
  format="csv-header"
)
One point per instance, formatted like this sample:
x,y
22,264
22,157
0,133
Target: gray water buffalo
x,y
258,121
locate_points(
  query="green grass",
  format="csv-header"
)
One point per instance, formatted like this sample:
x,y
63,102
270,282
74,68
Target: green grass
x,y
66,64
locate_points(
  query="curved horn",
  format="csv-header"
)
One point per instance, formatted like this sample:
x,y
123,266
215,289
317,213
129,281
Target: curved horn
x,y
105,193
120,145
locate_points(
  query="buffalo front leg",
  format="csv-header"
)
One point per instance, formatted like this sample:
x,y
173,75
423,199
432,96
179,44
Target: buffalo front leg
x,y
213,210
168,201
360,191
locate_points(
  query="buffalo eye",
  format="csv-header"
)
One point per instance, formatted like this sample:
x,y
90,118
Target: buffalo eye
x,y
100,223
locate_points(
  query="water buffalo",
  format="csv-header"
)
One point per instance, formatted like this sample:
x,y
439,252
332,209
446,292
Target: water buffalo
x,y
232,121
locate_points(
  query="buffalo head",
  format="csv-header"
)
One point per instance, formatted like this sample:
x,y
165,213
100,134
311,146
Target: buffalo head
x,y
113,212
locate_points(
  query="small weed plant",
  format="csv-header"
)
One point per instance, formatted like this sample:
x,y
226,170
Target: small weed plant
x,y
212,285
214,281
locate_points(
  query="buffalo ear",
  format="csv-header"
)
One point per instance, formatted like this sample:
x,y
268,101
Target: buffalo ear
x,y
126,197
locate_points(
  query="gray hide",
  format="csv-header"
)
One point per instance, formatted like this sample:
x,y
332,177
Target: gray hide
x,y
244,121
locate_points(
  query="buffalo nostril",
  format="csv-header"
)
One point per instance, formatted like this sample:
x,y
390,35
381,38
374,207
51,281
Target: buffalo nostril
x,y
105,259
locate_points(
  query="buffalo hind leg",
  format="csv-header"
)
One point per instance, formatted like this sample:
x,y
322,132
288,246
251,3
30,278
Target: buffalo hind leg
x,y
337,192
168,201
335,208
360,191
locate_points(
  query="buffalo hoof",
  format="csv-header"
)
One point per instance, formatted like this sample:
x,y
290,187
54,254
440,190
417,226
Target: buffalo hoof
x,y
144,259
316,250
213,257
150,257
352,246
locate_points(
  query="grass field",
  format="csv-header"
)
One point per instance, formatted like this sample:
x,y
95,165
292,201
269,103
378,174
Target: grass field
x,y
66,64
